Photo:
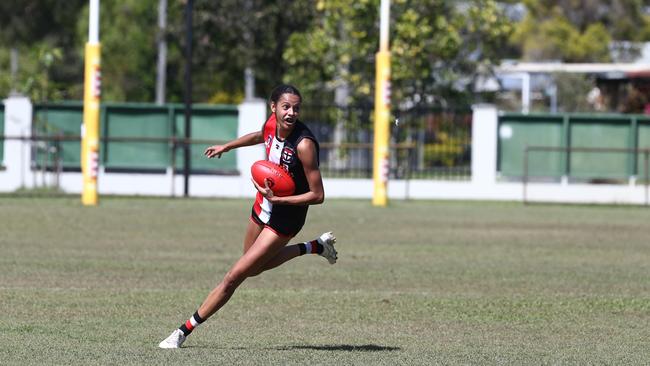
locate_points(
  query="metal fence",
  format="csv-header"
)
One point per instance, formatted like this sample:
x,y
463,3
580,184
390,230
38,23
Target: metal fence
x,y
426,143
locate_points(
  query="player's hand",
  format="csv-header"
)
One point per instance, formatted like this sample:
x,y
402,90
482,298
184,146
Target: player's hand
x,y
215,150
266,191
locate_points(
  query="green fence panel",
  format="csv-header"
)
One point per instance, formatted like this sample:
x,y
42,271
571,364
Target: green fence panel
x,y
208,123
643,143
518,131
2,132
136,122
601,133
53,120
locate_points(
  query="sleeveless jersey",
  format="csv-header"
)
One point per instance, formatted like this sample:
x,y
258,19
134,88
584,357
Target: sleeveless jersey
x,y
285,219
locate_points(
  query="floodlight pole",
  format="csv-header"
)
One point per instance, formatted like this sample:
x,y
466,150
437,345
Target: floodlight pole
x,y
90,127
382,111
188,97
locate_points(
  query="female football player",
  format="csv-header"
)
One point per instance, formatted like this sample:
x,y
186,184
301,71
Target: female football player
x,y
274,220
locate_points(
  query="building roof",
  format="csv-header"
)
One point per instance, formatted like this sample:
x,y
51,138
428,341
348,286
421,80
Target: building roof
x,y
576,68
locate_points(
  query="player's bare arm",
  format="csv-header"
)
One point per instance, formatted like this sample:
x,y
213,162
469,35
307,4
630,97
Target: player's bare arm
x,y
252,138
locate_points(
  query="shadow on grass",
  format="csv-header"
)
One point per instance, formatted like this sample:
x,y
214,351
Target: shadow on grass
x,y
329,347
343,347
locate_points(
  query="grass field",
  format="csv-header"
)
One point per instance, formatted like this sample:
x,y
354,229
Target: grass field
x,y
416,283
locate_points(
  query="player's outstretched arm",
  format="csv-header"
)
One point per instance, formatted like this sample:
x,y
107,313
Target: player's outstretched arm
x,y
252,138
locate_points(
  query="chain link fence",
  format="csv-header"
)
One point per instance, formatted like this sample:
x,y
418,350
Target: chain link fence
x,y
426,143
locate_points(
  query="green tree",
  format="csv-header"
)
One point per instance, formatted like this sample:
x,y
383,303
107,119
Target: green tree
x,y
339,46
578,31
572,91
232,35
43,34
26,21
228,36
436,47
128,48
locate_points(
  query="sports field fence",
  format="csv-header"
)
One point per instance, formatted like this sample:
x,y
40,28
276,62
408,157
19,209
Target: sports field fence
x,y
426,143
640,159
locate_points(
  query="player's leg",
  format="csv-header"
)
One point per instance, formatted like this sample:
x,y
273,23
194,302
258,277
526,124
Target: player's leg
x,y
266,246
323,246
253,230
284,255
288,252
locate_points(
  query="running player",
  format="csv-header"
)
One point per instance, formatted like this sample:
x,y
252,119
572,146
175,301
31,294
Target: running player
x,y
274,220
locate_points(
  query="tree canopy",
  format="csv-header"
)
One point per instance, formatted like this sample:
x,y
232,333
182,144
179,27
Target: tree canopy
x,y
436,47
579,30
43,34
439,47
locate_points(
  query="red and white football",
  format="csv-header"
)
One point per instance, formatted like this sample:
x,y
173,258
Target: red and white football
x,y
278,179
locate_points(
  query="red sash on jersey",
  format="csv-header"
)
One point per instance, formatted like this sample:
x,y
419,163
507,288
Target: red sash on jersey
x,y
268,132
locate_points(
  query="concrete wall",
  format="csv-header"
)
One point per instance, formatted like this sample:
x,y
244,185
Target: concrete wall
x,y
484,184
18,123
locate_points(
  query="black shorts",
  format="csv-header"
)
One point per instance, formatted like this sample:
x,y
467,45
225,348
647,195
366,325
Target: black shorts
x,y
284,220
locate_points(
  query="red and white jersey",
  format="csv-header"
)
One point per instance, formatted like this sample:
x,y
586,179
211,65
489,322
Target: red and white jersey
x,y
284,152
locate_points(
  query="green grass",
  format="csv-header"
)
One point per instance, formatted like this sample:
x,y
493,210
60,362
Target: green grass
x,y
416,283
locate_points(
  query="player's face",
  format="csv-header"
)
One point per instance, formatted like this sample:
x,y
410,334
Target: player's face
x,y
286,110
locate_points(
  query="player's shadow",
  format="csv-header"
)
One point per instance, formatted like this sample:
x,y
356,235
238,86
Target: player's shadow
x,y
342,347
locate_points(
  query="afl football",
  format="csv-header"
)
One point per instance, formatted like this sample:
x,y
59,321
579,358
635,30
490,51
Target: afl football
x,y
278,179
